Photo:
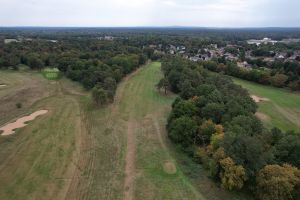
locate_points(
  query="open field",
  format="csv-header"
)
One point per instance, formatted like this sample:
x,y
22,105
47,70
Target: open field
x,y
78,151
21,87
282,109
36,159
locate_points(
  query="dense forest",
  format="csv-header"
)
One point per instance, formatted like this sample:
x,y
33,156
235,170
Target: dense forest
x,y
98,65
213,121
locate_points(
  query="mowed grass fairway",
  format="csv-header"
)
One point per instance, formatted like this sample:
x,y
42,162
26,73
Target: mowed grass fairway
x,y
78,151
283,108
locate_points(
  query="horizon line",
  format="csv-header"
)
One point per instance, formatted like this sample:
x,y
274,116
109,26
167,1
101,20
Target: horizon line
x,y
175,26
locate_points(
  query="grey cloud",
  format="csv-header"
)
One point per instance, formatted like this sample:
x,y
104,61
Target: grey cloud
x,y
233,13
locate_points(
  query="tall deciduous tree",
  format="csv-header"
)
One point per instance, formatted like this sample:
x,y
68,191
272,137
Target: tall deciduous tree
x,y
275,182
233,176
163,83
279,80
99,95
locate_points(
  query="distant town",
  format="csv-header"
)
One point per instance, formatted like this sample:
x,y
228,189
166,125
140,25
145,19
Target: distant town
x,y
235,53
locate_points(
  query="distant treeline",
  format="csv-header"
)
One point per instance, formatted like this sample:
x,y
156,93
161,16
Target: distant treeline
x,y
230,34
213,121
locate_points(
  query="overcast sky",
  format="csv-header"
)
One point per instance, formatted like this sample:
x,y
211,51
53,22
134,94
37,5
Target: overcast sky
x,y
203,13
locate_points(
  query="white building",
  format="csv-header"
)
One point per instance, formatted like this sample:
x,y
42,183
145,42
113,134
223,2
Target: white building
x,y
263,41
7,41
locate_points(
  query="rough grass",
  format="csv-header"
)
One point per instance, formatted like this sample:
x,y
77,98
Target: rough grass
x,y
283,109
21,87
36,160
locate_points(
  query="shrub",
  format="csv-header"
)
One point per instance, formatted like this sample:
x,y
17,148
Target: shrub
x,y
19,105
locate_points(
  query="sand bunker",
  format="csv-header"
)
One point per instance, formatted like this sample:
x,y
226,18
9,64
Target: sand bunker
x,y
8,129
169,167
258,99
262,116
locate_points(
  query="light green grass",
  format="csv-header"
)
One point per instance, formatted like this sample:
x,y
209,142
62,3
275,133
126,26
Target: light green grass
x,y
283,109
51,73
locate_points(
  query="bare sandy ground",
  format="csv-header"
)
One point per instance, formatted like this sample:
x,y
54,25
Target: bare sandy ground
x,y
8,129
169,167
262,116
258,99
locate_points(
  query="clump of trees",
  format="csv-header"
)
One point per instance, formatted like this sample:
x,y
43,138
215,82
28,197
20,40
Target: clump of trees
x,y
213,121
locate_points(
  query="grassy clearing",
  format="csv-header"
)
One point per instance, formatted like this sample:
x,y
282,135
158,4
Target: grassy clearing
x,y
35,161
283,109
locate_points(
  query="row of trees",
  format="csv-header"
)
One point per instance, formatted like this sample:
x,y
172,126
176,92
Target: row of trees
x,y
98,65
276,78
213,121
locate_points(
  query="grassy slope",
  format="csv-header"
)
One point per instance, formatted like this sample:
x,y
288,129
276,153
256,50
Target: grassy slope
x,y
283,108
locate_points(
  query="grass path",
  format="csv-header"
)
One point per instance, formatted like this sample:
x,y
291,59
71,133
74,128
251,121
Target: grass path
x,y
283,109
127,151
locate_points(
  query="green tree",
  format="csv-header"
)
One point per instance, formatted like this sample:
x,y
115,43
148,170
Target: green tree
x,y
110,86
287,149
163,83
214,111
183,108
99,95
34,62
183,130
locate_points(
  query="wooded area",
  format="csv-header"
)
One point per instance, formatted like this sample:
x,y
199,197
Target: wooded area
x,y
213,121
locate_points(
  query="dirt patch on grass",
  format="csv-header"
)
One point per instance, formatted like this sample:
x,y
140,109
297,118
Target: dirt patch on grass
x,y
258,99
8,129
169,167
130,162
262,116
